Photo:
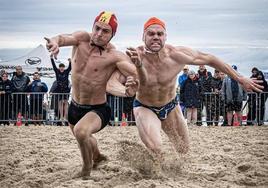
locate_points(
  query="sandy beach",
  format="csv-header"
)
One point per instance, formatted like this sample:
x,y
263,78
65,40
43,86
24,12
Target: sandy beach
x,y
48,156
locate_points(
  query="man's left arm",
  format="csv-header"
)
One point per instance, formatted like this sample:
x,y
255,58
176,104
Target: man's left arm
x,y
115,85
128,69
125,66
193,57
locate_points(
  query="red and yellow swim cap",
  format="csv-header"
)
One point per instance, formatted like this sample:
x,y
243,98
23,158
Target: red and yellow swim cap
x,y
153,21
108,18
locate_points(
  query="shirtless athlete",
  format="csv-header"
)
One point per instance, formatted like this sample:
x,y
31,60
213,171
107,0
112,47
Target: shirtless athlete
x,y
156,105
94,60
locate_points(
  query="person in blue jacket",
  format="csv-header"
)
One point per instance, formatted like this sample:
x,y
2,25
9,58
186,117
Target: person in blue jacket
x,y
181,80
37,89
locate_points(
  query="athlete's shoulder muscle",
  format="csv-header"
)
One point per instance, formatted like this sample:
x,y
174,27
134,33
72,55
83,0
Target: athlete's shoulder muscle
x,y
81,36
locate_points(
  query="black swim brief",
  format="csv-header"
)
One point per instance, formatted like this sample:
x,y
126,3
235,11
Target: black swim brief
x,y
161,112
77,111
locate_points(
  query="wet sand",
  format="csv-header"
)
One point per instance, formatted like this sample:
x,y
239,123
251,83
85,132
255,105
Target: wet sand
x,y
46,156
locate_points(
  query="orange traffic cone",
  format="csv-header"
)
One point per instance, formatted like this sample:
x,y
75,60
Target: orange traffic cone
x,y
235,120
19,118
124,120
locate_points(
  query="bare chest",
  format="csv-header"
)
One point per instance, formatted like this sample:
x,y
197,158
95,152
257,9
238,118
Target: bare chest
x,y
90,63
162,71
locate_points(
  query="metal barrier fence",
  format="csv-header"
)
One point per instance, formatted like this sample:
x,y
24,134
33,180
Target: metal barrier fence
x,y
34,108
253,111
52,108
121,110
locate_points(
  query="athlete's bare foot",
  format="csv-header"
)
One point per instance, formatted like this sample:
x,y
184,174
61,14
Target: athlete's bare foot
x,y
100,159
84,174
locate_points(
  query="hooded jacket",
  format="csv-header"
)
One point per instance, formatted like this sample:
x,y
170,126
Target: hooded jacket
x,y
20,82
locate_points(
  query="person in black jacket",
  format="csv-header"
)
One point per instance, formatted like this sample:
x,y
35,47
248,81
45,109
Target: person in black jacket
x,y
215,97
205,79
257,101
262,98
190,96
252,98
63,88
5,99
20,82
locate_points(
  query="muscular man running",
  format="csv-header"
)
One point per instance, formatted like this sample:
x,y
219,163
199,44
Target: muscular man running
x,y
94,60
156,105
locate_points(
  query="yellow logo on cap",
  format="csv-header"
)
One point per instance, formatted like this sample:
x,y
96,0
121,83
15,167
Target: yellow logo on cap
x,y
105,17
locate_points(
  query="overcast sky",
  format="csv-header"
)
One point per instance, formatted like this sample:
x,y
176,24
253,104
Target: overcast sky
x,y
220,24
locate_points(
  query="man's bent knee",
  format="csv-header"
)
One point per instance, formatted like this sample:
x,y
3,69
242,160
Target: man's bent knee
x,y
80,134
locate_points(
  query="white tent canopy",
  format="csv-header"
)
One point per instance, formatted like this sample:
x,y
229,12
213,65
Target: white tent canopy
x,y
36,60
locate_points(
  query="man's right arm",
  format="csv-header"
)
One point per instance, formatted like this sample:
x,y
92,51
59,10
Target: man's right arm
x,y
136,59
73,39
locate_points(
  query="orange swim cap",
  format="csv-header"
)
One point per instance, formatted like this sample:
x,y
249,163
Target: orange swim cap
x,y
153,21
108,18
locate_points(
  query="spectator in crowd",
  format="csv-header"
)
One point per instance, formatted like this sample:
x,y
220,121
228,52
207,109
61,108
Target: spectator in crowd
x,y
234,95
5,99
223,110
181,81
215,97
252,99
184,75
262,98
205,78
37,89
190,95
256,102
1,73
254,72
20,82
54,101
63,87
